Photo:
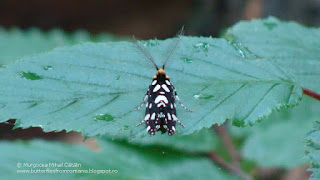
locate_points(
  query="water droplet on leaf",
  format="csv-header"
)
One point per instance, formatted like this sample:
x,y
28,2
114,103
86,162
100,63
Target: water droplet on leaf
x,y
151,43
203,96
104,117
186,60
203,46
47,68
245,52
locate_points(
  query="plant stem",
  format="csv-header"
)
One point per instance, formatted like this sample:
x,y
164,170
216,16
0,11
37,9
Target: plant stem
x,y
229,167
311,93
227,141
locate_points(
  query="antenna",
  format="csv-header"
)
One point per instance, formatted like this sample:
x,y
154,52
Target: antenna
x,y
145,52
179,34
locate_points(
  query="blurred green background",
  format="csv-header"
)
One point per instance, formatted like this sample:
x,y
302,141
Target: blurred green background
x,y
54,23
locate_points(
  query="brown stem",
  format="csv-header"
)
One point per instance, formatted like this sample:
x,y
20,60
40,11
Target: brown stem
x,y
229,167
311,93
253,9
227,141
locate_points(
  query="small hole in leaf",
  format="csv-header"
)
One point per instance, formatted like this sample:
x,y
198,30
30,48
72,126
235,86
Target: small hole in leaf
x,y
269,25
238,123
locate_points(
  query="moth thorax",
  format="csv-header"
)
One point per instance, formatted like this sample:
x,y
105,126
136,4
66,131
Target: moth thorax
x,y
161,75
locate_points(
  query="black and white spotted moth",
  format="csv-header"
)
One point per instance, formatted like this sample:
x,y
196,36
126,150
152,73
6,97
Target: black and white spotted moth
x,y
160,98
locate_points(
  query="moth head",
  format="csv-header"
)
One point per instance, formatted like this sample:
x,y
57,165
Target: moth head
x,y
161,75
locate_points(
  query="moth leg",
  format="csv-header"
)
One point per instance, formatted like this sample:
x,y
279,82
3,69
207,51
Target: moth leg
x,y
184,107
179,101
140,123
174,118
146,118
144,101
181,123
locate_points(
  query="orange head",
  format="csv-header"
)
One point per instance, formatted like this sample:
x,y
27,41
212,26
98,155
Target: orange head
x,y
161,75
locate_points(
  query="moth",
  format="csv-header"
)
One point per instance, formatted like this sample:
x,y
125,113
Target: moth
x,y
160,98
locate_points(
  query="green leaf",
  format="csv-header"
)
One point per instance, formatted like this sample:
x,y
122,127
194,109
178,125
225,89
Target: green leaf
x,y
94,88
293,47
130,162
200,142
313,150
15,43
278,141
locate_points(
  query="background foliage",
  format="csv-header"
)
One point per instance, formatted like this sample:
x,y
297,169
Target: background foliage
x,y
256,68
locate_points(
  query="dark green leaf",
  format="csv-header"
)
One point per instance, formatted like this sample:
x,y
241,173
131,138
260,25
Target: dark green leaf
x,y
294,48
202,141
130,162
15,43
278,141
313,150
94,88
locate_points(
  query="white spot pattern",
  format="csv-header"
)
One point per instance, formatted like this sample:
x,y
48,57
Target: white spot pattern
x,y
147,117
161,104
168,83
169,116
165,88
174,117
155,119
161,115
156,88
161,98
154,82
153,116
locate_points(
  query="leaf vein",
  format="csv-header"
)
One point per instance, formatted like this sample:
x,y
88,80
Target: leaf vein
x,y
215,107
261,99
103,105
